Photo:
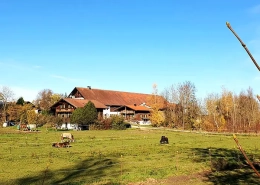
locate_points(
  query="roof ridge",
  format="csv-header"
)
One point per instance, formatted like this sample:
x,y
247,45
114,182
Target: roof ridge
x,y
113,90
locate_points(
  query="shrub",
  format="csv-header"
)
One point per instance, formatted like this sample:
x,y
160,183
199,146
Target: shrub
x,y
107,123
97,125
118,122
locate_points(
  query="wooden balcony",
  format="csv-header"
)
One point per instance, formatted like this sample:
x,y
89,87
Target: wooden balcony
x,y
64,110
127,112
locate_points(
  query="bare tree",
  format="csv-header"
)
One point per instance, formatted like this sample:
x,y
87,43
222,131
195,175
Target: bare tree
x,y
170,118
44,99
248,110
186,109
202,111
233,113
253,108
212,111
188,103
6,95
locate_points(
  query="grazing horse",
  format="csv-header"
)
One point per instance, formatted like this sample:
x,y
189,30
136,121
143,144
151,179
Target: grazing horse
x,y
164,140
23,127
32,127
68,136
61,145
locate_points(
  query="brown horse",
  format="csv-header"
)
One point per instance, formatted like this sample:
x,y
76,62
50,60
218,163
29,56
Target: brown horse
x,y
61,145
23,127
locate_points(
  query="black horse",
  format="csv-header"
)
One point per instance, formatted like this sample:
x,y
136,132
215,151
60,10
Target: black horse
x,y
164,140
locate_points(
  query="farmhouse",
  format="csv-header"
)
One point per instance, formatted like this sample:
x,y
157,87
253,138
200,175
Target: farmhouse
x,y
66,106
140,113
133,106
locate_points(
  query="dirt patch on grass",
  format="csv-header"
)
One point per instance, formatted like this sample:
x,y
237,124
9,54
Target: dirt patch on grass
x,y
192,179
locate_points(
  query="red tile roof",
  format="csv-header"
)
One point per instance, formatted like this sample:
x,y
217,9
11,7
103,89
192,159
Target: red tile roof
x,y
138,108
134,107
81,103
119,98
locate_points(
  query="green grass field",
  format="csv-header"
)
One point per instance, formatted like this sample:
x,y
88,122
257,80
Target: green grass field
x,y
121,157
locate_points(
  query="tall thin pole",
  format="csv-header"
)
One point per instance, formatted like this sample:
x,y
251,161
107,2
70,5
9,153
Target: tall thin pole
x,y
244,154
244,46
234,136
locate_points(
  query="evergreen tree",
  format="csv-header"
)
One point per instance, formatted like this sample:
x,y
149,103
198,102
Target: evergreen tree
x,y
86,115
20,101
90,114
77,116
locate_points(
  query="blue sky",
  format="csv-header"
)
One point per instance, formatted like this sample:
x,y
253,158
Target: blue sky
x,y
128,45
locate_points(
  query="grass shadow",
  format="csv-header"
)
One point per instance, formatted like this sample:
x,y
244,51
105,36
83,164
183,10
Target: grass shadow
x,y
228,166
87,171
234,177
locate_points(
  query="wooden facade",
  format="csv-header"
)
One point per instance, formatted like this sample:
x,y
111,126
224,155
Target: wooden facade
x,y
66,106
135,113
64,110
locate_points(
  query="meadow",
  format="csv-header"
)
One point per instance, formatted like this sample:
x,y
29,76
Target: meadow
x,y
124,157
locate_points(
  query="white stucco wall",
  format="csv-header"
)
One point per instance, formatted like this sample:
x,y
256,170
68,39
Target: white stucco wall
x,y
107,113
69,126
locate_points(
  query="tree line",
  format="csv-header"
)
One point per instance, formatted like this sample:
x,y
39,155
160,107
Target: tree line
x,y
226,111
24,112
